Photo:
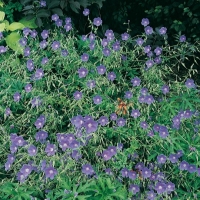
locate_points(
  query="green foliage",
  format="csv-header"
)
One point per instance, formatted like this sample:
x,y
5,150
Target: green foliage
x,y
33,9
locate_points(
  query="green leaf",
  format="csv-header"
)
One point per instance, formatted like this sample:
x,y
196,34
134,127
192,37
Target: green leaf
x,y
39,22
15,26
58,11
2,15
28,23
54,4
12,41
43,13
2,27
74,5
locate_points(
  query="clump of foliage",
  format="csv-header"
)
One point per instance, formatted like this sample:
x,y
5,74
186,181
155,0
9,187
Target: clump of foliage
x,y
90,118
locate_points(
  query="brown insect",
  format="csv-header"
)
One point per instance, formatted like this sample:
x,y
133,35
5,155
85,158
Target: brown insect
x,y
122,107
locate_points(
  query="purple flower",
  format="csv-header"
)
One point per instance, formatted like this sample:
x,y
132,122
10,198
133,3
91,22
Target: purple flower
x,y
149,99
36,102
1,35
134,188
113,150
104,42
158,60
55,45
91,37
7,165
103,120
77,95
82,72
64,53
106,52
23,42
147,49
132,175
150,133
34,33
87,169
113,116
77,121
190,83
16,96
146,173
192,168
150,54
144,91
42,3
135,113
121,121
160,187
173,158
140,41
26,31
86,12
32,150
163,132
90,126
116,46
182,38
59,22
54,17
179,153
28,87
97,99
124,172
149,63
101,69
158,51
2,49
44,60
30,65
144,125
97,21
109,34
39,74
108,171
151,195
39,123
68,20
21,177
43,44
136,81
111,76
7,111
11,158
92,45
125,36
85,57
145,22
50,149
45,34
106,155
41,136
27,51
91,84
163,31
170,187
76,155
128,95
13,148
165,89
161,159
50,172
148,30
26,169
68,27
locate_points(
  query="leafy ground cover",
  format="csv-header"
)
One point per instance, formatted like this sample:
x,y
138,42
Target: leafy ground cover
x,y
90,118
